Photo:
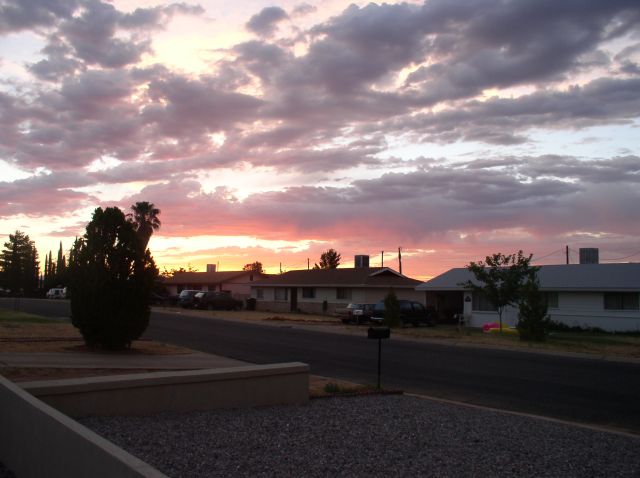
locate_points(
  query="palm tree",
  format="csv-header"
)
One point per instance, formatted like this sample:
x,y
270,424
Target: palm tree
x,y
145,219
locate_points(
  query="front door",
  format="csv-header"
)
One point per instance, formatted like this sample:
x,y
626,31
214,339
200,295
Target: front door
x,y
294,299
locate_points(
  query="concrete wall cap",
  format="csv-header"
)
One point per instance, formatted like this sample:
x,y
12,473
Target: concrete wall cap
x,y
112,382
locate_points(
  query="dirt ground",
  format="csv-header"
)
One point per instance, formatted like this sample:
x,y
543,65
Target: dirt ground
x,y
63,337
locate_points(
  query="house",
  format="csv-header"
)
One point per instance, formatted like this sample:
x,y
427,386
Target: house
x,y
585,295
237,283
324,290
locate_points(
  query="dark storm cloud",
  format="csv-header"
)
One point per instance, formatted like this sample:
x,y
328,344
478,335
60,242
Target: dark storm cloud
x,y
513,42
17,15
332,104
90,33
504,120
266,22
475,199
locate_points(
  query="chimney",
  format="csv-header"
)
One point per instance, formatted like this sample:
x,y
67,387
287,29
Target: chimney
x,y
361,262
211,267
589,255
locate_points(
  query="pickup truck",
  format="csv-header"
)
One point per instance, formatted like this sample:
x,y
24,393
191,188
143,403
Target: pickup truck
x,y
411,312
356,313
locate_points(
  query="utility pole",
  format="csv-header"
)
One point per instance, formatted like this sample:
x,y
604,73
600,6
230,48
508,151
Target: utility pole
x,y
281,268
399,260
308,264
381,258
567,253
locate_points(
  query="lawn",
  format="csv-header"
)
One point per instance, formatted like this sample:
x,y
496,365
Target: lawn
x,y
609,344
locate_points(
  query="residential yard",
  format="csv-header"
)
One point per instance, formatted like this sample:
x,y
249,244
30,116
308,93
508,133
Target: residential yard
x,y
21,332
603,344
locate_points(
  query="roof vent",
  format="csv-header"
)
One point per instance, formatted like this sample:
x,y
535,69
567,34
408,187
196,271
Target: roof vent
x,y
361,262
211,267
589,255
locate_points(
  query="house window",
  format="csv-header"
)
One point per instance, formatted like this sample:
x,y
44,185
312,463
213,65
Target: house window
x,y
552,300
621,301
281,293
482,304
259,293
343,293
309,292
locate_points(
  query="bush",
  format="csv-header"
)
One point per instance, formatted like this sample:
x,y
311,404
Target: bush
x,y
111,281
562,327
533,322
391,310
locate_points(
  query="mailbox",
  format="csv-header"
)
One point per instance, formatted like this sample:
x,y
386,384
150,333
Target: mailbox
x,y
379,332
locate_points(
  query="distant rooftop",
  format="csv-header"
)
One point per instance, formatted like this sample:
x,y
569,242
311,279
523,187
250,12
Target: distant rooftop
x,y
345,277
208,277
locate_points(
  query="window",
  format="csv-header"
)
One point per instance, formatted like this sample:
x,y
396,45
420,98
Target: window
x,y
621,301
259,293
482,304
552,300
309,292
281,293
343,293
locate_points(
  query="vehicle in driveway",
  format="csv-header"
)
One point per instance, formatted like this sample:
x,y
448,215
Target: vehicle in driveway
x,y
411,312
57,293
355,313
217,300
186,299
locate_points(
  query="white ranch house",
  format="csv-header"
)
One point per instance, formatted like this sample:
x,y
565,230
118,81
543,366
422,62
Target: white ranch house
x,y
585,295
308,290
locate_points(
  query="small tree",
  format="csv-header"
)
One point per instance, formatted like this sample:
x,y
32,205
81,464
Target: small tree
x,y
533,321
19,265
254,266
111,279
329,259
501,279
391,310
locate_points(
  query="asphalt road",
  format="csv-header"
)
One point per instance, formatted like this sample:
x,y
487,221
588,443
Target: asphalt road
x,y
588,390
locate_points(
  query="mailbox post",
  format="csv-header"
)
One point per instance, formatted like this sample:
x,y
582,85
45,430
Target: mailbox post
x,y
379,333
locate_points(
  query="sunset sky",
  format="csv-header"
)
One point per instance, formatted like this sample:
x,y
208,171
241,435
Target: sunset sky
x,y
272,131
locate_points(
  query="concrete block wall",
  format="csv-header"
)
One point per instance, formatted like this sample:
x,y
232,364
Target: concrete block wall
x,y
36,440
184,391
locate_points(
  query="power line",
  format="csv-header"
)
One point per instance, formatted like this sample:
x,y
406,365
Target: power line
x,y
622,258
548,255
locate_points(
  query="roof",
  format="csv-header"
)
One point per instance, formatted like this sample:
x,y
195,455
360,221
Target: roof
x,y
343,277
623,277
208,277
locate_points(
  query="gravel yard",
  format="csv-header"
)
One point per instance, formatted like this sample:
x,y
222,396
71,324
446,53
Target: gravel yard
x,y
369,436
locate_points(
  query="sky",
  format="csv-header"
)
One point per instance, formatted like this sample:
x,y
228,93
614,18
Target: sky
x,y
273,131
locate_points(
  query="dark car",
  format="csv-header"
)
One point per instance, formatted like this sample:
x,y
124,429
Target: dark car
x,y
217,300
358,313
410,313
186,299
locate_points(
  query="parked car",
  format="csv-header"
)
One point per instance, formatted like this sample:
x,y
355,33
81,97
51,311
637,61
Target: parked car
x,y
357,313
217,300
57,293
186,299
411,312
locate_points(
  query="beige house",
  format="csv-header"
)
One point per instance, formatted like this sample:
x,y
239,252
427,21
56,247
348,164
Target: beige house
x,y
324,290
237,283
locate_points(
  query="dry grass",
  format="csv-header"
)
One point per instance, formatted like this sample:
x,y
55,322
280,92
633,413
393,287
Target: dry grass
x,y
616,345
257,315
26,333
